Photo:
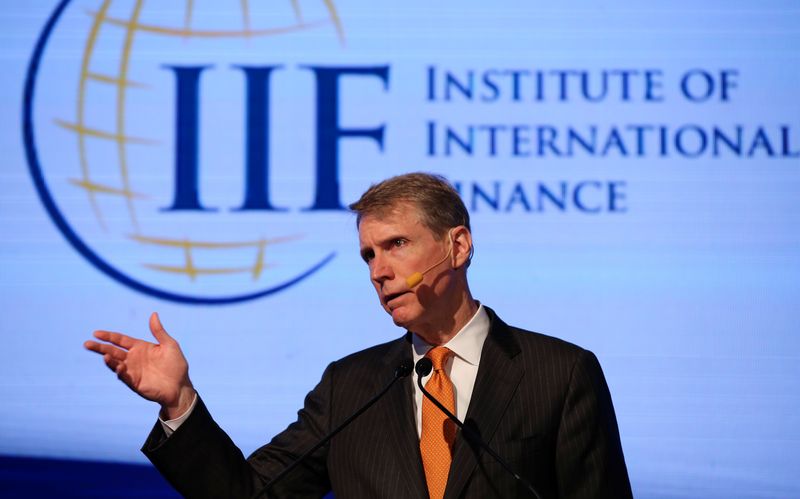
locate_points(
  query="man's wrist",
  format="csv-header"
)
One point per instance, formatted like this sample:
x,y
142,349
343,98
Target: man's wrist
x,y
186,397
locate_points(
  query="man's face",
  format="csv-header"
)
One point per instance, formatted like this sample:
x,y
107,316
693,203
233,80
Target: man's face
x,y
395,246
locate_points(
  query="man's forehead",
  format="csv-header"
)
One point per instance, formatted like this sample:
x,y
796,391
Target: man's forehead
x,y
401,210
396,217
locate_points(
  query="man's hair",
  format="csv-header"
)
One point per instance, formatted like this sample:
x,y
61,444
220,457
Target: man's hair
x,y
438,203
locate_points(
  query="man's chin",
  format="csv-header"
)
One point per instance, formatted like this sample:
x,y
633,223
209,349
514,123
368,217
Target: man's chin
x,y
401,318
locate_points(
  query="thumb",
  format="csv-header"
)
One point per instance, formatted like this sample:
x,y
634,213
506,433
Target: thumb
x,y
158,330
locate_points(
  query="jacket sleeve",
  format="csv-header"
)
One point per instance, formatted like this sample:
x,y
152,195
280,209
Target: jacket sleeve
x,y
589,459
200,461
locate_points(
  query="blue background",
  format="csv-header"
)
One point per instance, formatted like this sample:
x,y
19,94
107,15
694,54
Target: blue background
x,y
690,296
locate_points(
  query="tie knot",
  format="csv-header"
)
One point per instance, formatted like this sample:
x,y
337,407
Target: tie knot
x,y
438,356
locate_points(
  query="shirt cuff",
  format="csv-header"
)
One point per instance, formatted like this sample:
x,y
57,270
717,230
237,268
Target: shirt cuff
x,y
172,425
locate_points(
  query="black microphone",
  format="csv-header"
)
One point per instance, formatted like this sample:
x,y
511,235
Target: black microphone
x,y
423,368
402,370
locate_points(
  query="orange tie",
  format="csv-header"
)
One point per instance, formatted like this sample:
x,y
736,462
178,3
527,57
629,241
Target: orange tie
x,y
438,432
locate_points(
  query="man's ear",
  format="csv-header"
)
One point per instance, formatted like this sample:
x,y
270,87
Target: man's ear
x,y
462,246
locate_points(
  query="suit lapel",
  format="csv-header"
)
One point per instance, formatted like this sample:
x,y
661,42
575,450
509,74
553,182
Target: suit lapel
x,y
499,374
400,424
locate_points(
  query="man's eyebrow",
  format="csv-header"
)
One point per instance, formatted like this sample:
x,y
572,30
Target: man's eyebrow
x,y
390,239
382,243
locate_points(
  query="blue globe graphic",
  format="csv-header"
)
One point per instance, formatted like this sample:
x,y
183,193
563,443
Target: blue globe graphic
x,y
99,128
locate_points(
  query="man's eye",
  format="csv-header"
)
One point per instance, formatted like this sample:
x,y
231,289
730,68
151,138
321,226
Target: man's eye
x,y
399,242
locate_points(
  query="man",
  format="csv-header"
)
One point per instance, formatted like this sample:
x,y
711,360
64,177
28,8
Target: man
x,y
540,403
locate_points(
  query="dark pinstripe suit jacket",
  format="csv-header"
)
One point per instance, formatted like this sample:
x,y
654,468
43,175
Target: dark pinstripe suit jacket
x,y
540,402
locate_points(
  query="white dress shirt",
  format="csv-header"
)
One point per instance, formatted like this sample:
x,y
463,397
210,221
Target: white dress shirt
x,y
462,368
172,425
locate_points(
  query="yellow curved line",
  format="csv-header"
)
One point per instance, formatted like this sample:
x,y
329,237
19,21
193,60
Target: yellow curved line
x,y
336,20
102,134
184,243
121,88
196,33
190,268
94,187
259,265
88,50
245,18
114,81
195,271
187,20
297,12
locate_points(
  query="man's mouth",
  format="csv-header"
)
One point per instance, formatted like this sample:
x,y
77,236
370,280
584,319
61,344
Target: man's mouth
x,y
391,296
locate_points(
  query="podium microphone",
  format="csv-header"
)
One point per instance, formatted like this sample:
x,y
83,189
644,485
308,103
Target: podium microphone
x,y
423,368
403,369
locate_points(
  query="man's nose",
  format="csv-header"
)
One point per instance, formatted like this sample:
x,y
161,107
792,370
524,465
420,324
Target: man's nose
x,y
380,270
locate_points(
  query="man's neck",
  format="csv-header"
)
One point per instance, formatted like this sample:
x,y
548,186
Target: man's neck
x,y
449,325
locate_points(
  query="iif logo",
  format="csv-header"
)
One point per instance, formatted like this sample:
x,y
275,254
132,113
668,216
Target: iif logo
x,y
196,155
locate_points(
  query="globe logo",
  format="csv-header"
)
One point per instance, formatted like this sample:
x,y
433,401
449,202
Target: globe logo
x,y
150,135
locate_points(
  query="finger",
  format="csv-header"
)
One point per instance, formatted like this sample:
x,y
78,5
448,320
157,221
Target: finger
x,y
113,364
106,349
118,339
92,345
121,371
122,375
158,330
119,368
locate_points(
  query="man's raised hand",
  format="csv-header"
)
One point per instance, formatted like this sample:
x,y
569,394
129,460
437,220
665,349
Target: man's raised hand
x,y
156,371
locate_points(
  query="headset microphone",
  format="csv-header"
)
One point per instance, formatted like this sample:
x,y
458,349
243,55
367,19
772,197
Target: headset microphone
x,y
416,278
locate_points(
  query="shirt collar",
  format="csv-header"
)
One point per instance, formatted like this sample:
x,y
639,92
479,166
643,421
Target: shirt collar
x,y
466,344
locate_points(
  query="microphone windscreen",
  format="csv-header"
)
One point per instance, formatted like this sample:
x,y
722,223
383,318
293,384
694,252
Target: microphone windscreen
x,y
414,279
423,367
404,369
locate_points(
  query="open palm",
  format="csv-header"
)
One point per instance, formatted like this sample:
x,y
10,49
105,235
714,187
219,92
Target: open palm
x,y
156,371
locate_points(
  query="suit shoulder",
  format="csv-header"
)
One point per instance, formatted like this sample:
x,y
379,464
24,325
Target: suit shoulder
x,y
536,347
375,354
526,337
539,341
552,354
